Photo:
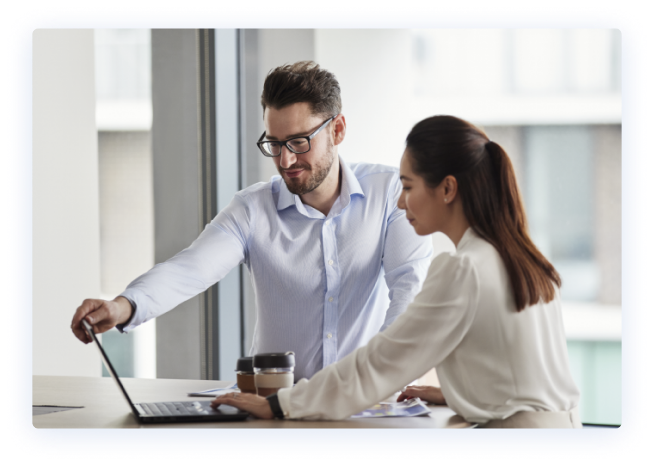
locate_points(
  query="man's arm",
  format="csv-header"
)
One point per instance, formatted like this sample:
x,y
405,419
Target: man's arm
x,y
219,248
406,259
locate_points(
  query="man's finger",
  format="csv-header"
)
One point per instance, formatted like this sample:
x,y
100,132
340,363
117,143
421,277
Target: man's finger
x,y
81,335
98,315
88,305
80,332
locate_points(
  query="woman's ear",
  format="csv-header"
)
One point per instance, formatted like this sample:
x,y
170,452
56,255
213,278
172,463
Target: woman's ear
x,y
450,188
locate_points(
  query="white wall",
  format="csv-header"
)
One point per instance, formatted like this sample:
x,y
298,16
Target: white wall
x,y
66,239
373,68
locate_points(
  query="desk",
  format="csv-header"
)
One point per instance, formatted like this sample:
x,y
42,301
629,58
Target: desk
x,y
105,407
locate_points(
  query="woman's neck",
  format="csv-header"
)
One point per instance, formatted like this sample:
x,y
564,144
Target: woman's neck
x,y
458,225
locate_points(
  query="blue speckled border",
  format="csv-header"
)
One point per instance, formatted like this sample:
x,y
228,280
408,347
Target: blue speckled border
x,y
362,443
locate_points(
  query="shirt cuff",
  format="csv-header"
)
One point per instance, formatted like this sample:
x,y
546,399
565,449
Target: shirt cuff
x,y
284,398
129,325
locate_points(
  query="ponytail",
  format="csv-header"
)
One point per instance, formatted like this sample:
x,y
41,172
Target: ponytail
x,y
532,276
508,192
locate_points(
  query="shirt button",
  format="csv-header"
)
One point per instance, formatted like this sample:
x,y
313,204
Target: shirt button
x,y
331,262
331,299
329,335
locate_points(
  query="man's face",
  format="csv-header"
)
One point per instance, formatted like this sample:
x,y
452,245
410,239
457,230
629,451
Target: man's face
x,y
302,173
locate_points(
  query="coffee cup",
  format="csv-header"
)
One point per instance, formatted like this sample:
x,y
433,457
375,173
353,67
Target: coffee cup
x,y
245,375
273,371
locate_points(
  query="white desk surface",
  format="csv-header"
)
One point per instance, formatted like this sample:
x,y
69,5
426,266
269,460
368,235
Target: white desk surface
x,y
105,407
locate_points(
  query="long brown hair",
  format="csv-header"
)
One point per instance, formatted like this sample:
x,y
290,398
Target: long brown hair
x,y
444,145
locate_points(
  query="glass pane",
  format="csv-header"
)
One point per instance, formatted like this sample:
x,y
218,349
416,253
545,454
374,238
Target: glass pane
x,y
124,120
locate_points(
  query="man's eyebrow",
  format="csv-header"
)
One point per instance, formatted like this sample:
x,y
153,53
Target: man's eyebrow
x,y
292,136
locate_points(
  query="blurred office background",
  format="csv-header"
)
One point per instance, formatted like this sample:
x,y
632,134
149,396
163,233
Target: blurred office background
x,y
177,115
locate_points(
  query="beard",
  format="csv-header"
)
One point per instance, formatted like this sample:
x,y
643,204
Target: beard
x,y
317,173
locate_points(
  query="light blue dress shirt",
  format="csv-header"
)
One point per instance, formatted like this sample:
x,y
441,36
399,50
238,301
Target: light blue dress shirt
x,y
324,285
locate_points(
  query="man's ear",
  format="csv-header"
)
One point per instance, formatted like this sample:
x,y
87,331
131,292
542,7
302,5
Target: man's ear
x,y
339,128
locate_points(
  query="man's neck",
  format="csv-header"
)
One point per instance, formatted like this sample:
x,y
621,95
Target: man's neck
x,y
323,197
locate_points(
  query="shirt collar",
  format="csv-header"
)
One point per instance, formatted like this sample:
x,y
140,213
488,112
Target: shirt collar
x,y
349,186
467,236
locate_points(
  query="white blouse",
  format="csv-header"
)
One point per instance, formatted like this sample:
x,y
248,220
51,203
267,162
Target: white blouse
x,y
491,360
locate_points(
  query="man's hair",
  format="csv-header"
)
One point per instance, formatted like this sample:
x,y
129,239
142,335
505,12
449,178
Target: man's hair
x,y
299,82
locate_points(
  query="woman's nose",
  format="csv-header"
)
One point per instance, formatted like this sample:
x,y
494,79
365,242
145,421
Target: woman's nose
x,y
400,202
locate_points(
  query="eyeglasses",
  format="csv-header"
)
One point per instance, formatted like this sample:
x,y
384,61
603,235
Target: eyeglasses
x,y
296,145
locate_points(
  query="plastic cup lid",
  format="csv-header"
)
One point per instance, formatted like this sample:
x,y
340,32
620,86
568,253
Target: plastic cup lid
x,y
244,364
274,360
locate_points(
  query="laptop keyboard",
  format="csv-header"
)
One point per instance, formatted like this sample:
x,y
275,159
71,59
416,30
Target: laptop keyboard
x,y
174,408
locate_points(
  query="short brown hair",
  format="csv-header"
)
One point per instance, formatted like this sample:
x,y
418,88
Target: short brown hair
x,y
299,82
444,145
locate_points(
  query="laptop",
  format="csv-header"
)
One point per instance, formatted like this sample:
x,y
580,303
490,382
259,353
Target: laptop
x,y
169,412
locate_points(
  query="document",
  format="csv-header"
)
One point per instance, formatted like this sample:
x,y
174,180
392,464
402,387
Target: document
x,y
215,392
407,408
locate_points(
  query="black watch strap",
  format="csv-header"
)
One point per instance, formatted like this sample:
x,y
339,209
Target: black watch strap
x,y
274,406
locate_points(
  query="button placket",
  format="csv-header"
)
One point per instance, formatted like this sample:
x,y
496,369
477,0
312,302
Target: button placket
x,y
330,315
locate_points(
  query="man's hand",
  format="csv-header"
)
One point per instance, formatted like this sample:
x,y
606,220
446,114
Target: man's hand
x,y
257,406
101,314
429,394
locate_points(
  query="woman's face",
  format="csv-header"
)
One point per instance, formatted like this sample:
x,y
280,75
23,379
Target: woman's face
x,y
424,205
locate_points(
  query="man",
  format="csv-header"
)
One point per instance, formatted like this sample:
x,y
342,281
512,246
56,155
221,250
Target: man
x,y
325,243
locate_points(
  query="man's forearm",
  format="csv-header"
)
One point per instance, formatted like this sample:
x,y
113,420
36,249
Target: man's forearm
x,y
126,310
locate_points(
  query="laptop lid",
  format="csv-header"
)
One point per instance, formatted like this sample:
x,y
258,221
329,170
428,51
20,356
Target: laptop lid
x,y
110,368
230,413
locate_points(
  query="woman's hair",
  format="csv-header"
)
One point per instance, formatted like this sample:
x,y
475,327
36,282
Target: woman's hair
x,y
444,145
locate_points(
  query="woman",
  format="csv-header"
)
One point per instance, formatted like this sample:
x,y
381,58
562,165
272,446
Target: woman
x,y
488,317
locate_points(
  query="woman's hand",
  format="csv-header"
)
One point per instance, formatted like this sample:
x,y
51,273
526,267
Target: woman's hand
x,y
256,405
430,394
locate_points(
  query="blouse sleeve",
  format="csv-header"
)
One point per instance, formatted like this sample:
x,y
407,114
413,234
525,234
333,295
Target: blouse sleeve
x,y
430,329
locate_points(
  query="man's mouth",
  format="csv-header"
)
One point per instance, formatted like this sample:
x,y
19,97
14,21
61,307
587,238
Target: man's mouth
x,y
293,173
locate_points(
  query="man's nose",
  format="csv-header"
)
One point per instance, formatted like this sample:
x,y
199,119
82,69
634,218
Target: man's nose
x,y
286,158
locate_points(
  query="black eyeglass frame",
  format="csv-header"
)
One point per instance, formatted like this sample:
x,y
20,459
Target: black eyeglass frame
x,y
260,142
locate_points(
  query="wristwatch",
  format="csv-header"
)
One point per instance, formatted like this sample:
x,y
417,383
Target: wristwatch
x,y
274,406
